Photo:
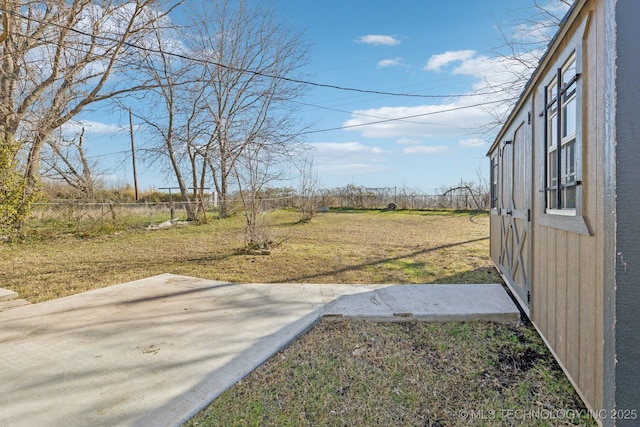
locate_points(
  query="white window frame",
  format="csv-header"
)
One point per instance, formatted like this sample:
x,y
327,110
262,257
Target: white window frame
x,y
563,99
570,220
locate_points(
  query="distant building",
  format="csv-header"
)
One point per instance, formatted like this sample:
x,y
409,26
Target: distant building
x,y
565,217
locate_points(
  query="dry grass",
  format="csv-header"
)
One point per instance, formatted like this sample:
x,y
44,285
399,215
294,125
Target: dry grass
x,y
60,259
404,374
345,373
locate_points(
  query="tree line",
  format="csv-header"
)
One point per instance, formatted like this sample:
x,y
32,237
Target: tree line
x,y
212,84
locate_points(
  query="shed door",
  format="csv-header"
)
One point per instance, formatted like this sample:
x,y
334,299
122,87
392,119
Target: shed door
x,y
515,214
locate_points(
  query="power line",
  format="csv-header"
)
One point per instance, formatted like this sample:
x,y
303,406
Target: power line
x,y
407,117
355,113
244,70
299,81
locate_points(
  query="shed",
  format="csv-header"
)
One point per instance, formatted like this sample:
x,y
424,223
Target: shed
x,y
565,229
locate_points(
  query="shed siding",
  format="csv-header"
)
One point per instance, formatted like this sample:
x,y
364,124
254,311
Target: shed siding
x,y
592,251
496,243
567,278
567,274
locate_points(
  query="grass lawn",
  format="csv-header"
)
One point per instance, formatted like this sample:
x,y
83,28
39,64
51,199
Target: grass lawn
x,y
340,373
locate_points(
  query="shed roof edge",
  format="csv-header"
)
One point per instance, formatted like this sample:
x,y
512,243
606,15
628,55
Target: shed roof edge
x,y
566,22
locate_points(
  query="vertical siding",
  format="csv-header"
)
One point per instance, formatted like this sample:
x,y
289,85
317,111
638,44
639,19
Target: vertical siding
x,y
496,240
573,307
568,277
589,344
539,290
548,269
562,264
596,300
567,267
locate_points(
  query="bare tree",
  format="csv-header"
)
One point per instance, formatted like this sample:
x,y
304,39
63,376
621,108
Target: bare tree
x,y
164,112
222,85
308,190
57,58
67,160
249,60
524,42
258,166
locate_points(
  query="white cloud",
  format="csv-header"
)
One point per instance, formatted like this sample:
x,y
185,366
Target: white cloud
x,y
408,141
423,121
346,147
91,127
378,39
425,149
347,158
503,76
472,142
436,62
495,84
355,168
385,63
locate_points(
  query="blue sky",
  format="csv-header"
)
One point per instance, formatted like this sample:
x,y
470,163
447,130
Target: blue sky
x,y
406,46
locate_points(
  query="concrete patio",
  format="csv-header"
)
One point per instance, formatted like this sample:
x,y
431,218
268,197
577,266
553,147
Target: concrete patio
x,y
156,351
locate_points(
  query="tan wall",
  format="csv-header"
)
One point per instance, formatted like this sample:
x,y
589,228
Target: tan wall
x,y
567,254
494,225
567,284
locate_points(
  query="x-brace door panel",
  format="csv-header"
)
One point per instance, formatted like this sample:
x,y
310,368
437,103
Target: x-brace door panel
x,y
515,214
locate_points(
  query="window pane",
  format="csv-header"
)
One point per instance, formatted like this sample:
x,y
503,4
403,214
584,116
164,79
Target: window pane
x,y
552,181
553,168
569,197
569,118
569,72
568,169
552,92
494,182
552,130
571,161
569,92
552,201
568,175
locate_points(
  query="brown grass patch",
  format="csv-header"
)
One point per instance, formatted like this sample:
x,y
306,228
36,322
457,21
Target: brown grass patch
x,y
355,247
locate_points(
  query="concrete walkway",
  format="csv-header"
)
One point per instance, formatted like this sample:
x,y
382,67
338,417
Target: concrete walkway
x,y
155,351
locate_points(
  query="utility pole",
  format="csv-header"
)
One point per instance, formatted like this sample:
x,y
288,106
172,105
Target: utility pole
x,y
133,155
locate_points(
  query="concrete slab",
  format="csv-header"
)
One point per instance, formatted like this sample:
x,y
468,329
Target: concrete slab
x,y
6,305
432,303
155,351
7,295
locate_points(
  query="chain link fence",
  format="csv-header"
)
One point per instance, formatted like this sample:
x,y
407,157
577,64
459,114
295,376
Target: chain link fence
x,y
78,210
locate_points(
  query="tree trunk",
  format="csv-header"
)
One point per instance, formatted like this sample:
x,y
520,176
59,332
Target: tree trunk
x,y
32,169
224,206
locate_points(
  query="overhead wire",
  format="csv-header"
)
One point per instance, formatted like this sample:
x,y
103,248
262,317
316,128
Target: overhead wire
x,y
407,117
293,80
357,113
245,70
